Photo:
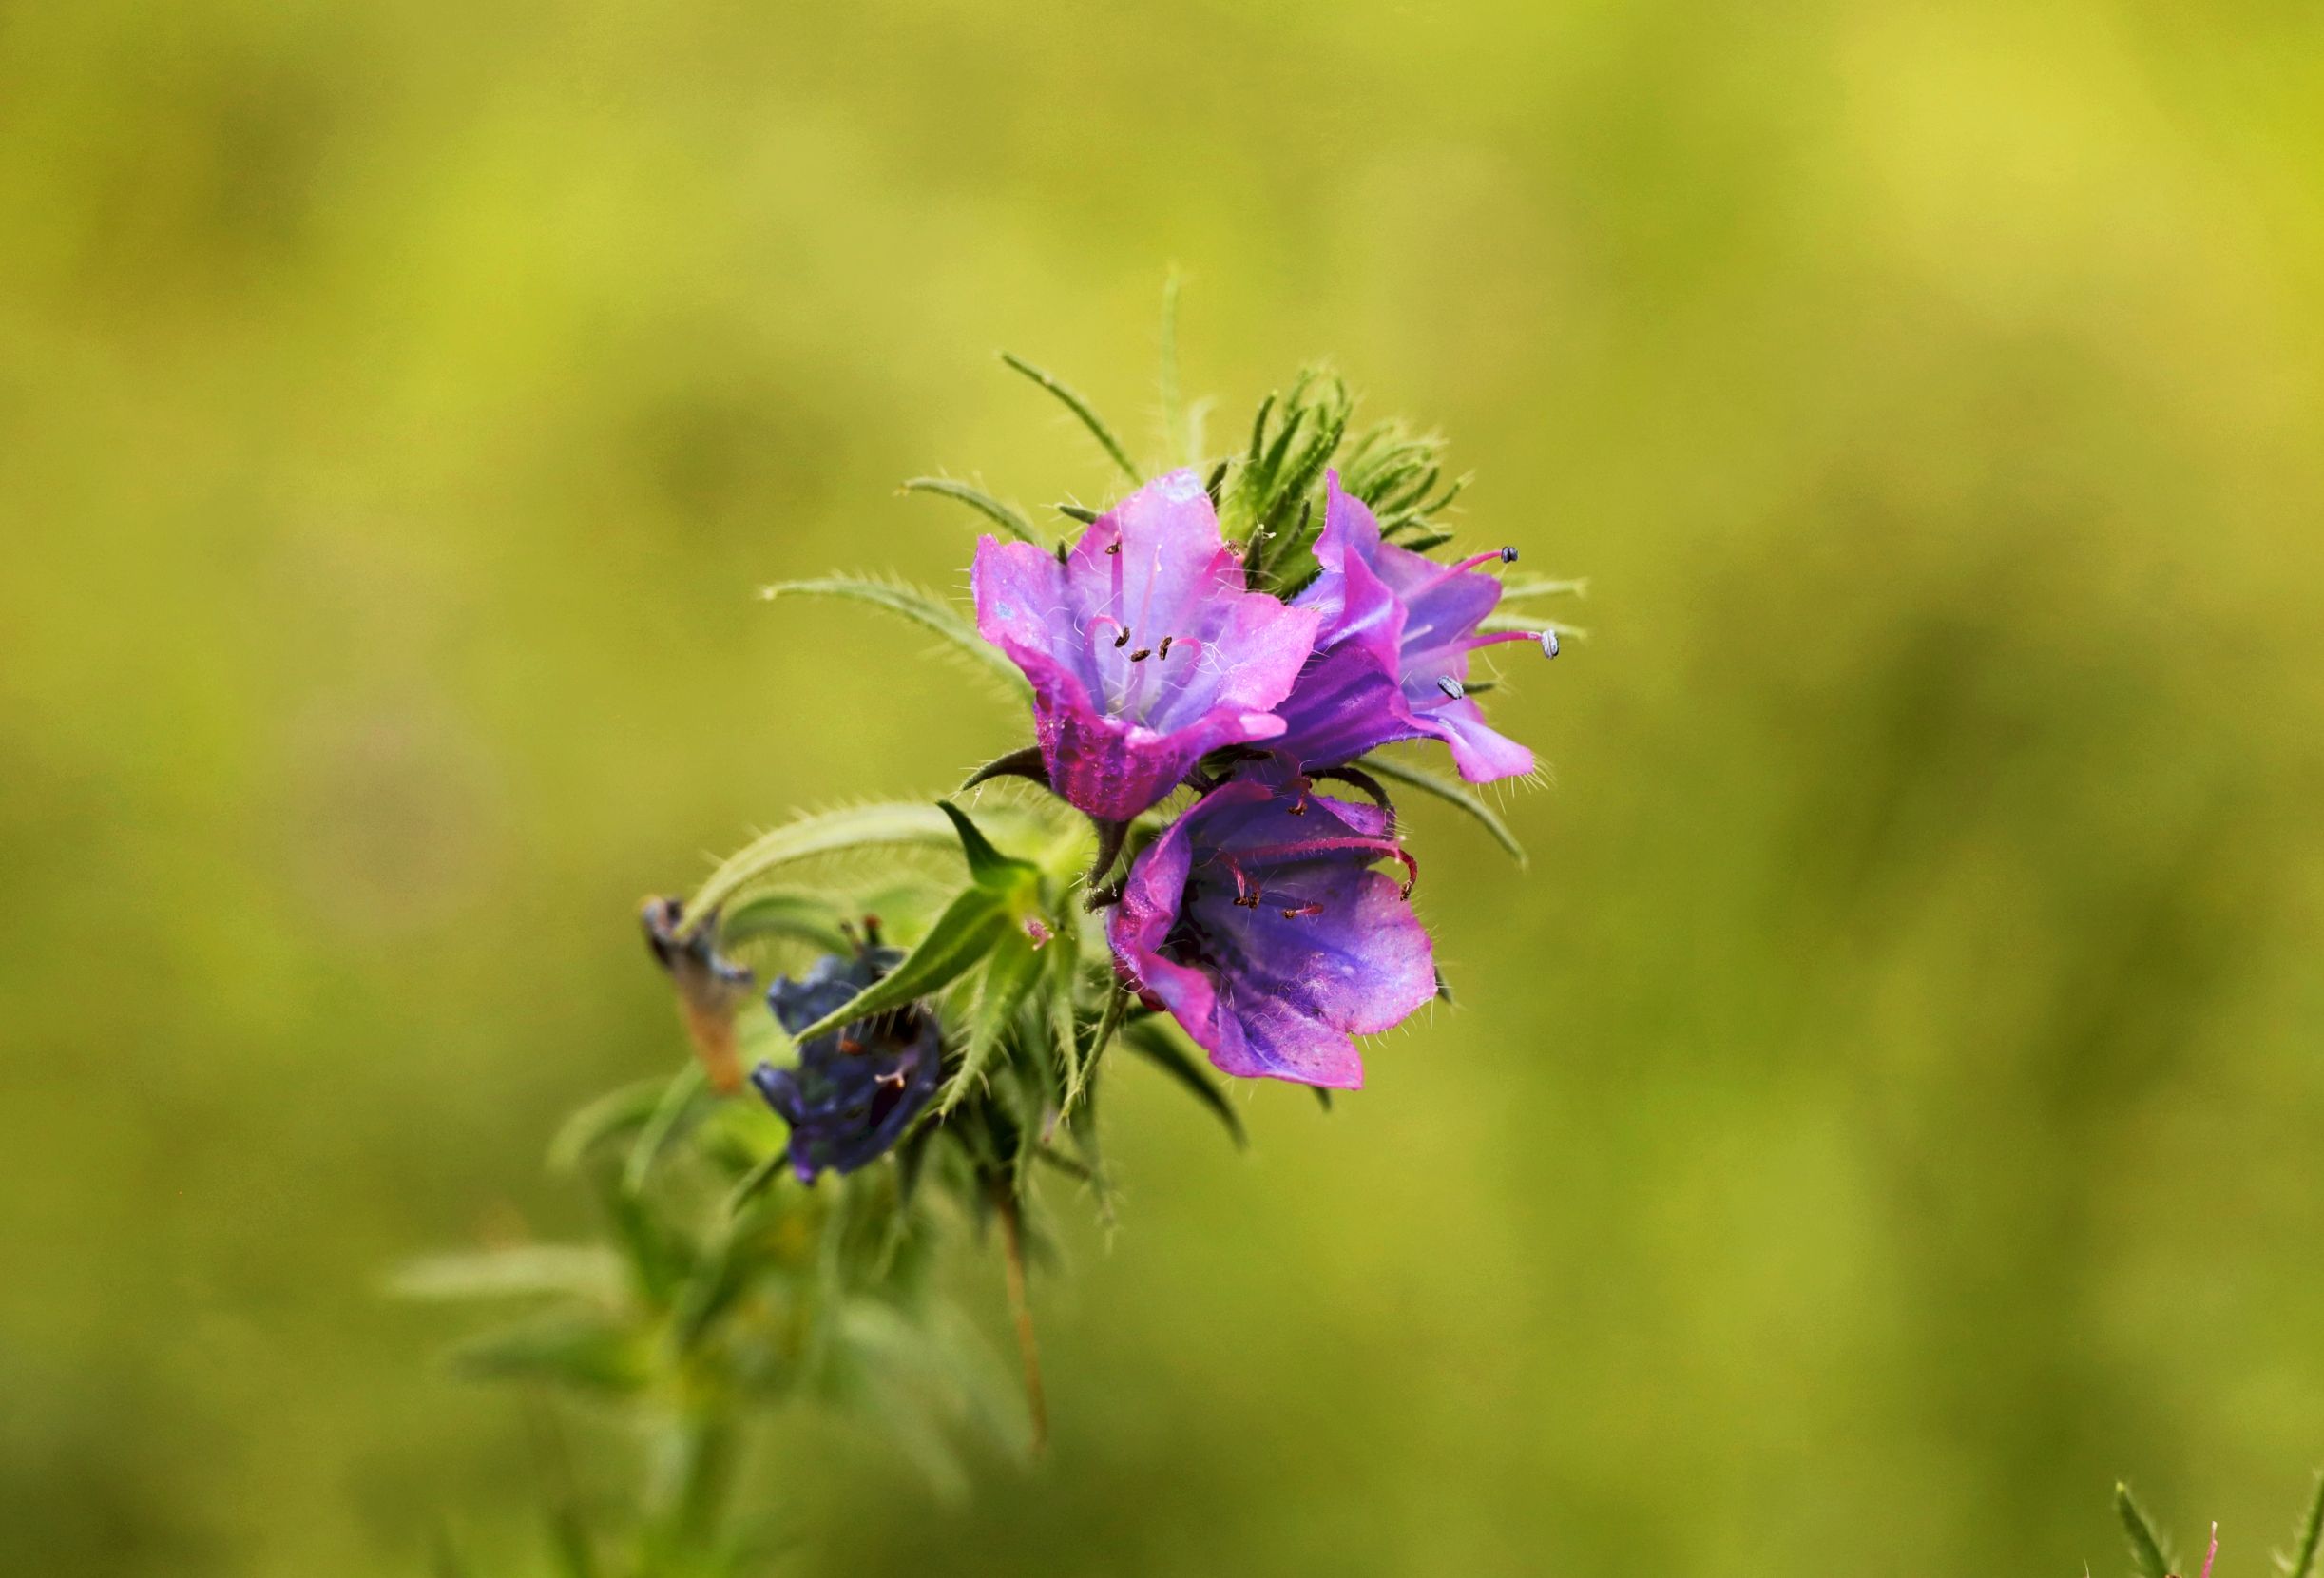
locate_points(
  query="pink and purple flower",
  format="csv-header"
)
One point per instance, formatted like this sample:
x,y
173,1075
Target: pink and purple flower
x,y
1144,647
1392,657
1257,920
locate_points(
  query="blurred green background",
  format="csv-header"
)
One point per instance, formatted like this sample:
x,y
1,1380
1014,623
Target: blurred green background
x,y
1888,1109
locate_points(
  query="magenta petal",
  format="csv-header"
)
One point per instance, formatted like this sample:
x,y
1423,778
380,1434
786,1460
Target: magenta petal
x,y
1144,647
1482,755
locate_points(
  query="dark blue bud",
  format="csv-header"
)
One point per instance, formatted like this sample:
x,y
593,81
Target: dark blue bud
x,y
857,1088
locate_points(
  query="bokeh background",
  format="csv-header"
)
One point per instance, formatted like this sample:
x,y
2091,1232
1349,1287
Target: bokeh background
x,y
1888,1109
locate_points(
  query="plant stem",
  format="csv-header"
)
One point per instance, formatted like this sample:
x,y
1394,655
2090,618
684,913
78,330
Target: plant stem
x,y
1012,1245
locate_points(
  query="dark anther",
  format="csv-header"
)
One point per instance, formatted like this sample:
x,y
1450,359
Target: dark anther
x,y
1163,650
849,1044
1549,643
1452,689
1508,555
1142,654
1303,912
1123,638
1113,547
1249,901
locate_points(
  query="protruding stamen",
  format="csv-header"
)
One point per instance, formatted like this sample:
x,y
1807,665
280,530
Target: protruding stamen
x,y
1142,654
1492,556
1546,640
1303,912
1246,890
1453,690
1384,849
1123,638
1163,650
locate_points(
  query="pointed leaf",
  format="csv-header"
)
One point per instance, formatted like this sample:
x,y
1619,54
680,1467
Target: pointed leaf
x,y
521,1271
2150,1553
2310,1539
1081,409
924,609
589,1350
1523,588
826,832
986,865
1010,974
1453,793
682,1104
797,914
961,937
983,503
608,1117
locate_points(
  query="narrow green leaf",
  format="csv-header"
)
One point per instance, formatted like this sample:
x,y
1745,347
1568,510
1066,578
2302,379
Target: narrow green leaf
x,y
1176,442
983,503
607,1118
824,833
1453,793
1065,971
799,914
987,866
2150,1553
1081,408
924,609
1523,588
1010,974
1149,1040
592,1352
521,1271
683,1102
962,935
2311,1538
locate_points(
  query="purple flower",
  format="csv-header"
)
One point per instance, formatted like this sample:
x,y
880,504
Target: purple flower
x,y
1144,647
1256,919
857,1089
1391,659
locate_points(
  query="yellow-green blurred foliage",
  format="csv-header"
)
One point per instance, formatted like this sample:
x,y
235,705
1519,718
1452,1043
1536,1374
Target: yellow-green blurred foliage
x,y
1889,1108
